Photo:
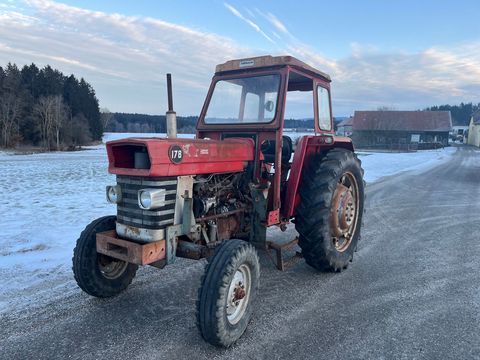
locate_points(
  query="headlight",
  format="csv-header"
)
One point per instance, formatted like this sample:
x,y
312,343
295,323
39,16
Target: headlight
x,y
151,198
145,199
114,194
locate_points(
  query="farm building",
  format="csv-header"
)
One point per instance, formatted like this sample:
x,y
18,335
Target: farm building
x,y
402,130
474,130
344,128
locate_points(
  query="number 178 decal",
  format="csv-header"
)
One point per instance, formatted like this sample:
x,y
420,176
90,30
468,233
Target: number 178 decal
x,y
175,153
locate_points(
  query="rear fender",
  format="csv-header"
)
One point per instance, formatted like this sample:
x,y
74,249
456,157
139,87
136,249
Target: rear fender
x,y
307,147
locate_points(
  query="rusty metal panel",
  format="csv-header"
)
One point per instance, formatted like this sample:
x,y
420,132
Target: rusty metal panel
x,y
226,227
186,249
279,249
141,254
268,61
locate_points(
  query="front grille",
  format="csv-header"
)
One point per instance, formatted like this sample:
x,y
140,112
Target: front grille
x,y
128,211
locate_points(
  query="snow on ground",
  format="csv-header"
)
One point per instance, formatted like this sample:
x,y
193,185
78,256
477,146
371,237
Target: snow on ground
x,y
380,164
47,200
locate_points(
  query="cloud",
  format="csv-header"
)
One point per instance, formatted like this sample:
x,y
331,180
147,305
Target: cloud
x,y
125,58
15,17
368,77
33,54
257,28
277,23
409,80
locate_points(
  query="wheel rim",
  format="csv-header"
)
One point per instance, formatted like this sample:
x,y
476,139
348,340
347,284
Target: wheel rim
x,y
238,294
110,267
344,213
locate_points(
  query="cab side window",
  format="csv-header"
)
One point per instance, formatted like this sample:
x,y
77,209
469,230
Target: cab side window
x,y
324,114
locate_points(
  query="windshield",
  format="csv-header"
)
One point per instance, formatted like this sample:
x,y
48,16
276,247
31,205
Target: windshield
x,y
244,100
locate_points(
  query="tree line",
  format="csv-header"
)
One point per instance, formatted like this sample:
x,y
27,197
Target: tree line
x,y
143,123
461,114
44,107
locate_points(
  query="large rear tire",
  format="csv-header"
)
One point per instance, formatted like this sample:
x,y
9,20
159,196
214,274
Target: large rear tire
x,y
229,287
329,216
97,274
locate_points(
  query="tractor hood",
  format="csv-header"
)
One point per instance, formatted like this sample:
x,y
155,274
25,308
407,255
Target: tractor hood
x,y
175,157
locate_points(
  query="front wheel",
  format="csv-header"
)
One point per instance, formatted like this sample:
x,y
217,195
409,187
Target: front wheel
x,y
96,274
229,286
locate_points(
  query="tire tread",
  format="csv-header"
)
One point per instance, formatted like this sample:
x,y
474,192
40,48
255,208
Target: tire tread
x,y
312,219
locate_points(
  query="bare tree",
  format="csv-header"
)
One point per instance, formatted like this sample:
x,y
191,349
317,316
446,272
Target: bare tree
x,y
59,116
52,114
44,109
106,117
78,132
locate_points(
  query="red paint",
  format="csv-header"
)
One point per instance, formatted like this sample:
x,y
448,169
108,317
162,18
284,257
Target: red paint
x,y
214,155
306,148
273,217
200,156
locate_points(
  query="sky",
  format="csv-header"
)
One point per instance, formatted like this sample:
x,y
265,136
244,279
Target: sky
x,y
404,55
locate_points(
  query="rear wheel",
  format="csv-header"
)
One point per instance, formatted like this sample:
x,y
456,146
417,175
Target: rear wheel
x,y
329,216
229,286
96,274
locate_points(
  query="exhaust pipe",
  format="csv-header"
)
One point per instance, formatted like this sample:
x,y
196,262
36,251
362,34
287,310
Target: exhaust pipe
x,y
171,115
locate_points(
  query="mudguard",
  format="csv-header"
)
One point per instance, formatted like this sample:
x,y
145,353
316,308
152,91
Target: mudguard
x,y
306,148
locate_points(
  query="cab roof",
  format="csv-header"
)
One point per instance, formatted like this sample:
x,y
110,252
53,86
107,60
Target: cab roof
x,y
268,61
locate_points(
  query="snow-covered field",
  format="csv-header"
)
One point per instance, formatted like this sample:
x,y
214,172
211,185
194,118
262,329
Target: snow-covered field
x,y
378,165
47,199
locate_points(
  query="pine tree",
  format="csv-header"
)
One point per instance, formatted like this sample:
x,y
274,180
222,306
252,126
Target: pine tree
x,y
11,105
22,91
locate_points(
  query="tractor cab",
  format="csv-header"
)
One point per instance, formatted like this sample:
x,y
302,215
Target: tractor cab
x,y
254,98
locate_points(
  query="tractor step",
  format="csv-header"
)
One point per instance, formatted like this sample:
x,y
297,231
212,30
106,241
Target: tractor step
x,y
108,243
279,249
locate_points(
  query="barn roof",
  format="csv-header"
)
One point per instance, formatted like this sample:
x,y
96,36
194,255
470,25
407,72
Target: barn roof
x,y
402,120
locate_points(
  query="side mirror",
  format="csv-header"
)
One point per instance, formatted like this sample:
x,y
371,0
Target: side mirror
x,y
269,105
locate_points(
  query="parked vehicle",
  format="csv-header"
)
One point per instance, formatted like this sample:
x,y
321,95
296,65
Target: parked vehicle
x,y
215,196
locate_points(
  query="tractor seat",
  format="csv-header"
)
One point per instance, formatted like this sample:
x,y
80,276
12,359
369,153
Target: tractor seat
x,y
268,149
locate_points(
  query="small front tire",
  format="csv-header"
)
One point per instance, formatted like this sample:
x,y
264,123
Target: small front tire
x,y
229,287
97,274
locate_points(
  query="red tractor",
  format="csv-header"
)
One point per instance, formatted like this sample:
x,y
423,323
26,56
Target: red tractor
x,y
215,196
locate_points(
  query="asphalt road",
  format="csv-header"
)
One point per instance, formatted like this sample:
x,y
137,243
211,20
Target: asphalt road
x,y
413,291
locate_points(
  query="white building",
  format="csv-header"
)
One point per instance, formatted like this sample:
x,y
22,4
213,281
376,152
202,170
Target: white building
x,y
474,130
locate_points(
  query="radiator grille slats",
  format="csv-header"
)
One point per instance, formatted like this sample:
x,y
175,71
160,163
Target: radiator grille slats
x,y
128,211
